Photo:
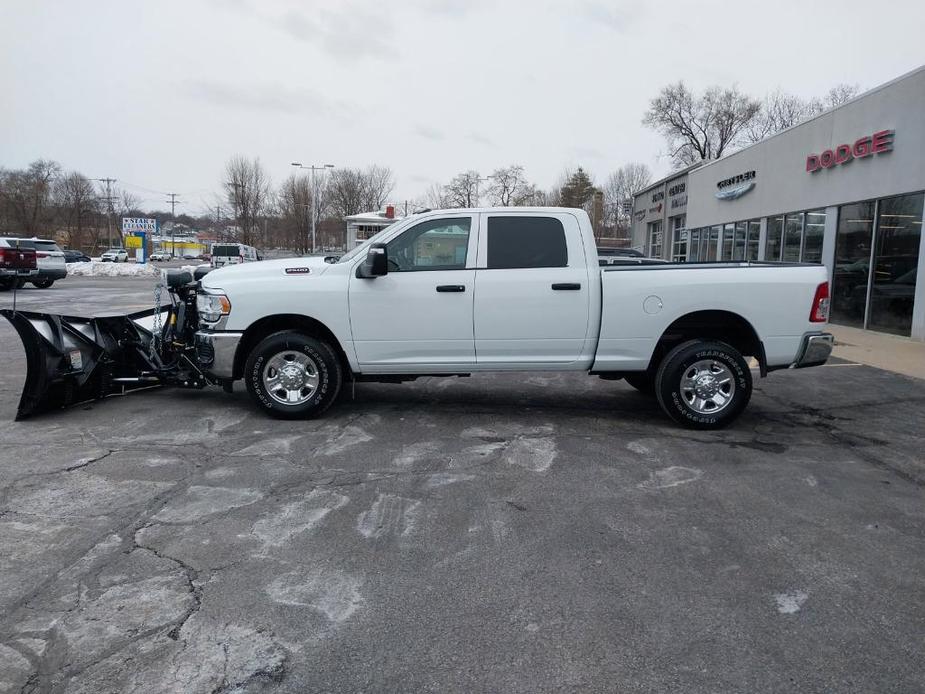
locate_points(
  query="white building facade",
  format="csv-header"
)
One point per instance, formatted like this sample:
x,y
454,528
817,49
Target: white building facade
x,y
845,189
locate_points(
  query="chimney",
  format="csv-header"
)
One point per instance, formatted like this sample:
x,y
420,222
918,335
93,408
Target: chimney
x,y
390,211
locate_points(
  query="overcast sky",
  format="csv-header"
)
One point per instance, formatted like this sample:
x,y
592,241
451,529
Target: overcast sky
x,y
159,94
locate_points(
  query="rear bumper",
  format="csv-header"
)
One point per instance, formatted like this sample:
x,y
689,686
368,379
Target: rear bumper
x,y
52,274
814,350
215,352
6,273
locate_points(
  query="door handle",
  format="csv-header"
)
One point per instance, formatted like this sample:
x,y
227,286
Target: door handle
x,y
566,286
451,287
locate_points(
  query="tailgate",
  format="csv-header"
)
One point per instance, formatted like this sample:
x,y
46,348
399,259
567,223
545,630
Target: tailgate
x,y
17,259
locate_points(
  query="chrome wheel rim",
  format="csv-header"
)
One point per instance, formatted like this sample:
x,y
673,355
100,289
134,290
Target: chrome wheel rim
x,y
291,378
707,386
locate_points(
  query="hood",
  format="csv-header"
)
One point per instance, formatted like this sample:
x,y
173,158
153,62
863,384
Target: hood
x,y
292,268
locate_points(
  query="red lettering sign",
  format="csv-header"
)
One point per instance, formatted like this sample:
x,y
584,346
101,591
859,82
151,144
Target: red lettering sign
x,y
877,143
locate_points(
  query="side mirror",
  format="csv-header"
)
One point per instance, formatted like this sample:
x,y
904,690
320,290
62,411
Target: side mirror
x,y
376,263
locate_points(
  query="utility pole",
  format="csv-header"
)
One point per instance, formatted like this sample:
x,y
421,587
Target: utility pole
x,y
314,168
173,223
109,198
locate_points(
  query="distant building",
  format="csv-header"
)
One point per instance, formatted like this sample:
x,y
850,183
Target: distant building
x,y
362,226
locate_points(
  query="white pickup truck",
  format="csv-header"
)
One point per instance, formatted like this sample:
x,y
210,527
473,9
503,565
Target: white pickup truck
x,y
455,292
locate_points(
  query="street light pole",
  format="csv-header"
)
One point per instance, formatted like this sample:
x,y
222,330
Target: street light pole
x,y
313,168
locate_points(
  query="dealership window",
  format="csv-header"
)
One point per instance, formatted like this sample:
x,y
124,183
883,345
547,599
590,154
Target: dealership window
x,y
775,237
655,239
754,233
693,252
679,239
813,233
740,240
524,242
795,237
853,241
896,257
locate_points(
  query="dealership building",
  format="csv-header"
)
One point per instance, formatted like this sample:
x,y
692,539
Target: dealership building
x,y
844,189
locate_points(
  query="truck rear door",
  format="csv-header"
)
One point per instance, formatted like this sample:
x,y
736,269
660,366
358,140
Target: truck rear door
x,y
532,293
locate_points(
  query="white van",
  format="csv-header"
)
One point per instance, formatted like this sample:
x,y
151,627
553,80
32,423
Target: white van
x,y
232,254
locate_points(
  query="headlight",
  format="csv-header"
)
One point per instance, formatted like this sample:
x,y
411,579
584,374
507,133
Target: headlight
x,y
212,307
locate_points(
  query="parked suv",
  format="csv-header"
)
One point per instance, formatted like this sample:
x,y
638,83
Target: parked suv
x,y
48,256
115,255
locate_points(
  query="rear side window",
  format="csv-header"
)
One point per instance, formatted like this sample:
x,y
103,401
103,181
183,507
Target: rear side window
x,y
47,246
522,242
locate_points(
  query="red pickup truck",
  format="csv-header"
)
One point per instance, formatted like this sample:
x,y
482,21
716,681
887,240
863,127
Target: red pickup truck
x,y
17,266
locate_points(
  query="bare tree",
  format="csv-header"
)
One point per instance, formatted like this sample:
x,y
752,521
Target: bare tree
x,y
780,110
26,196
77,205
347,192
510,188
380,182
622,185
294,203
463,190
700,127
247,187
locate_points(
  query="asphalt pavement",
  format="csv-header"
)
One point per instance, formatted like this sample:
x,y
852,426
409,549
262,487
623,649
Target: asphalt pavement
x,y
504,533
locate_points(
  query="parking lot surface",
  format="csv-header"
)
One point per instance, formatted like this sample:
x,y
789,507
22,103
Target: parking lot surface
x,y
512,533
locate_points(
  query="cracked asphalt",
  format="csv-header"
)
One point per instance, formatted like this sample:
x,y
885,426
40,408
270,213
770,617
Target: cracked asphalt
x,y
513,533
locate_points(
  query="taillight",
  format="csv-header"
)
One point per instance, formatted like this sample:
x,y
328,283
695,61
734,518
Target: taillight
x,y
820,310
39,254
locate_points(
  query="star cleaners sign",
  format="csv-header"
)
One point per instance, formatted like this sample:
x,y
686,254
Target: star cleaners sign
x,y
866,146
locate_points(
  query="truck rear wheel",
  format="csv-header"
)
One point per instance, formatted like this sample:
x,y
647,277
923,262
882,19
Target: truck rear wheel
x,y
703,384
293,376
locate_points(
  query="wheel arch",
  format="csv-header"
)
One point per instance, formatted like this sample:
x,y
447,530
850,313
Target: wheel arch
x,y
725,326
268,325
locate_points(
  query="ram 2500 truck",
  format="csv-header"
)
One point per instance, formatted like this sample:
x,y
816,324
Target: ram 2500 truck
x,y
456,292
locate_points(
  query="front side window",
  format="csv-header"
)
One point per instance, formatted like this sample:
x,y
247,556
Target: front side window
x,y
437,244
524,242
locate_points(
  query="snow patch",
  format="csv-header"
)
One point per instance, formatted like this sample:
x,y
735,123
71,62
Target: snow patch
x,y
298,517
790,603
671,477
96,268
389,515
336,595
199,502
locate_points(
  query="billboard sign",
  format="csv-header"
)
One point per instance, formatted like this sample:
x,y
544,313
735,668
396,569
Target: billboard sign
x,y
135,224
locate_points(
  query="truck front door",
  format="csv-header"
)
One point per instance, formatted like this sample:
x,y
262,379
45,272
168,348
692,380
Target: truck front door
x,y
418,317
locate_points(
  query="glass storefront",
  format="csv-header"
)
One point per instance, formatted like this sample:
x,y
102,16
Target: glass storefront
x,y
853,242
795,237
754,234
885,235
896,260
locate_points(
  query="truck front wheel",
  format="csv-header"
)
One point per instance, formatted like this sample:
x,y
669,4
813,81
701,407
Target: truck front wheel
x,y
293,376
703,384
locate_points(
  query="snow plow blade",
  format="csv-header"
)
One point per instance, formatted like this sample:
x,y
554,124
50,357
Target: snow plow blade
x,y
70,359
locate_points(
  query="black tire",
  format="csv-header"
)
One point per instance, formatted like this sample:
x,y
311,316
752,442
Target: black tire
x,y
681,404
20,284
43,283
642,381
6,285
321,357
